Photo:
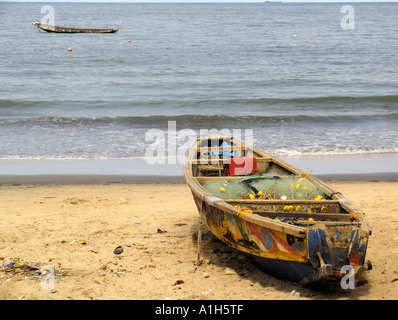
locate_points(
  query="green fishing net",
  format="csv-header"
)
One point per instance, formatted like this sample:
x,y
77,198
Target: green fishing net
x,y
267,186
228,189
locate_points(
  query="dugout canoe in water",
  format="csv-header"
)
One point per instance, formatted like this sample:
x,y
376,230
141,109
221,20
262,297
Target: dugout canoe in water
x,y
293,225
59,29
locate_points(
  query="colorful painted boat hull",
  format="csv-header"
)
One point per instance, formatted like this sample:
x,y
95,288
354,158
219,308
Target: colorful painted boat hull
x,y
285,256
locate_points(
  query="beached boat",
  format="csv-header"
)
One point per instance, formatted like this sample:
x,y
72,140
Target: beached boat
x,y
59,29
293,225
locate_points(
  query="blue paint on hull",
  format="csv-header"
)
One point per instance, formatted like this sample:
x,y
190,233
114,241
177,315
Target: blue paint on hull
x,y
287,270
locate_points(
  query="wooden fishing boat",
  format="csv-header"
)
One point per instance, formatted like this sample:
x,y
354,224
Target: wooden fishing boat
x,y
59,29
294,236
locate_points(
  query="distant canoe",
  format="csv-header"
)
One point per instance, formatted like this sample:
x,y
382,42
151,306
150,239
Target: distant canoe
x,y
59,29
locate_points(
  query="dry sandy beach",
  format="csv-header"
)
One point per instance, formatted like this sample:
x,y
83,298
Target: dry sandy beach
x,y
74,229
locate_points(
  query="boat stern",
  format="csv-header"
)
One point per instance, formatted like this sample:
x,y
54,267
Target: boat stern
x,y
335,252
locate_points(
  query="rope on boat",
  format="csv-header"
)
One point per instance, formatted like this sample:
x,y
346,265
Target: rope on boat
x,y
356,214
306,174
243,211
199,235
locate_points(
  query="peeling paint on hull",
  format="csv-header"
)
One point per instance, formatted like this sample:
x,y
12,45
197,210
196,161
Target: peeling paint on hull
x,y
285,256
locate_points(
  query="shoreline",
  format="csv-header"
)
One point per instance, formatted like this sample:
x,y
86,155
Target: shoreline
x,y
363,167
85,179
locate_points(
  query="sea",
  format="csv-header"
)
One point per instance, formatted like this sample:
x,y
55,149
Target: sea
x,y
301,79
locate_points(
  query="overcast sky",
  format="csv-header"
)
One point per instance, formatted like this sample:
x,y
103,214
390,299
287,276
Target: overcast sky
x,y
215,1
